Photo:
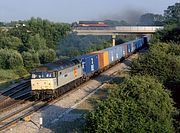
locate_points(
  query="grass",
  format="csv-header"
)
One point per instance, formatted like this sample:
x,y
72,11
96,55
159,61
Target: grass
x,y
9,77
4,85
6,75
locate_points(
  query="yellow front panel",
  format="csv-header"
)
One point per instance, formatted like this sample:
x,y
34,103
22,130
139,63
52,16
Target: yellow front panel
x,y
42,84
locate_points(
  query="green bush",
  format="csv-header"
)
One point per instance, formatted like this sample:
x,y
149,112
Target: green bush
x,y
161,62
47,56
170,33
20,71
10,59
7,75
138,105
30,59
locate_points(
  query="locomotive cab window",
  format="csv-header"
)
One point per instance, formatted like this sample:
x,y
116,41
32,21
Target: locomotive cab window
x,y
38,75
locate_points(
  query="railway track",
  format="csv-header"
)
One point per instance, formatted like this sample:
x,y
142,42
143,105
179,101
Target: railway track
x,y
5,106
14,95
13,90
18,115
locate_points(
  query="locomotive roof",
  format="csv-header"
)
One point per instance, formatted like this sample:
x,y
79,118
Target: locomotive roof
x,y
58,65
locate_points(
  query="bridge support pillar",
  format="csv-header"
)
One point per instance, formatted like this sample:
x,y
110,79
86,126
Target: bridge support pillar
x,y
113,40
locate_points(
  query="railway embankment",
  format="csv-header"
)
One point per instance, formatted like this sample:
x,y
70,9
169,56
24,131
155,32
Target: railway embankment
x,y
72,107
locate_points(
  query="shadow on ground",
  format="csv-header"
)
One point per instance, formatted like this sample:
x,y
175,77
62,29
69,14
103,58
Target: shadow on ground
x,y
68,123
74,119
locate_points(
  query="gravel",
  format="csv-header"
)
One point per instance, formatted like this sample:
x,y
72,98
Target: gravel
x,y
59,111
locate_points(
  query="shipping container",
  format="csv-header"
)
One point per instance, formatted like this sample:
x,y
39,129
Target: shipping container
x,y
134,45
146,40
124,49
119,52
142,42
138,43
111,54
129,47
102,58
89,63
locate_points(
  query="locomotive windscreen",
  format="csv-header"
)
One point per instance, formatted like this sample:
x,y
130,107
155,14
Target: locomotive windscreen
x,y
38,75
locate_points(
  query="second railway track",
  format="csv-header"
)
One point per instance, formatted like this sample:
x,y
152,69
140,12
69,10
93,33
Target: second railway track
x,y
18,115
32,107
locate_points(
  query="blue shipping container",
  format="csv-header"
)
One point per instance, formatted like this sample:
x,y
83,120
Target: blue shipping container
x,y
119,52
134,45
142,42
139,43
89,63
130,46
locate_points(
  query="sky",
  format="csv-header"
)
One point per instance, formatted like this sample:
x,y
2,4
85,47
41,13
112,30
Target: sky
x,y
75,10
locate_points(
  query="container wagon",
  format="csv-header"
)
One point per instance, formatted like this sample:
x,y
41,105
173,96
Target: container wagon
x,y
90,64
103,58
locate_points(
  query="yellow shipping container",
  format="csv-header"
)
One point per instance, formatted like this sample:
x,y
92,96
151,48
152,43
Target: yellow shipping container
x,y
103,58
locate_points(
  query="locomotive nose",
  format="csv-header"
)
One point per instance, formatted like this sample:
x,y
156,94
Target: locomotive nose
x,y
42,84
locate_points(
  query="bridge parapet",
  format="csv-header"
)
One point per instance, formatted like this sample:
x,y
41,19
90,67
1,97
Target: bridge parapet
x,y
117,30
138,28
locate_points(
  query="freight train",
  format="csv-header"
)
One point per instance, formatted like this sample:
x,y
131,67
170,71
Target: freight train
x,y
54,79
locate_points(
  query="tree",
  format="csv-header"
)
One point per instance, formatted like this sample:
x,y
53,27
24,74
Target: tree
x,y
10,42
170,33
21,32
138,105
151,19
74,45
161,61
51,32
172,14
47,56
10,59
116,23
30,59
36,42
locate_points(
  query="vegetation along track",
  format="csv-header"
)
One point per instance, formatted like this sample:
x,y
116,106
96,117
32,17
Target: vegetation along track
x,y
34,106
18,115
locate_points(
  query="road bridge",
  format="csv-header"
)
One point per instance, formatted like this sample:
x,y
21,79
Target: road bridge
x,y
117,30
